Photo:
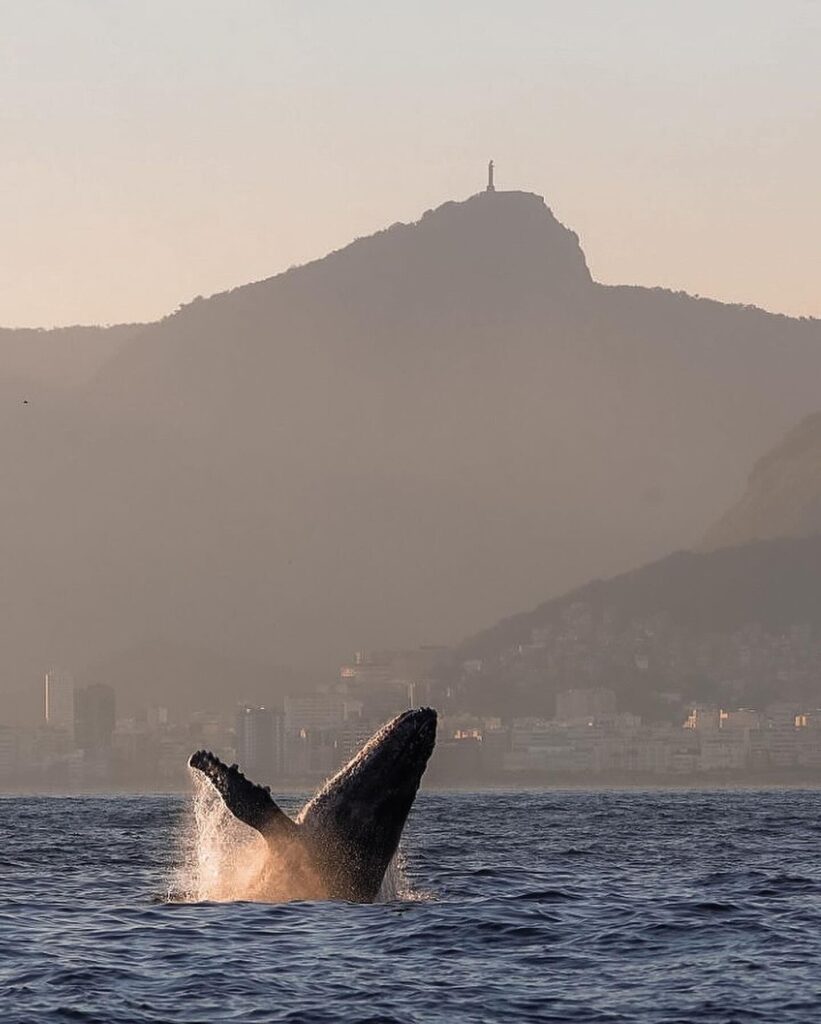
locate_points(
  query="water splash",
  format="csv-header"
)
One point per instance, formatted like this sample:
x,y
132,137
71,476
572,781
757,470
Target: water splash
x,y
396,885
221,859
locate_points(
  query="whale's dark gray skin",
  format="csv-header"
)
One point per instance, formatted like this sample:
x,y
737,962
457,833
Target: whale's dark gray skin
x,y
350,830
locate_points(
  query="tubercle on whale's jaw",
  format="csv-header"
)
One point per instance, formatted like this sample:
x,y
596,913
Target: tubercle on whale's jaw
x,y
415,752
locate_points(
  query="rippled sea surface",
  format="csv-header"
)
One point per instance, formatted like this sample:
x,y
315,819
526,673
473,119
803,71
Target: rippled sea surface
x,y
557,906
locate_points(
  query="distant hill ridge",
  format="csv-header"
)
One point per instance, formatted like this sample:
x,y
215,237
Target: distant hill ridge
x,y
738,625
774,583
464,268
783,494
383,447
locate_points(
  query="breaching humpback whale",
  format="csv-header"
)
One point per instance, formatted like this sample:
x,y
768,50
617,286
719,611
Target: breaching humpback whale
x,y
344,838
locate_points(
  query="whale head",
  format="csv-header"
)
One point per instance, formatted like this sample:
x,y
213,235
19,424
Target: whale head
x,y
362,810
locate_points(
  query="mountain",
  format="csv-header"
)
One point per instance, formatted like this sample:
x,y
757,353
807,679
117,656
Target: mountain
x,y
783,494
433,425
740,625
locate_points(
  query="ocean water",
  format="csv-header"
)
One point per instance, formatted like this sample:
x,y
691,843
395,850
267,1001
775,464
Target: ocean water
x,y
535,906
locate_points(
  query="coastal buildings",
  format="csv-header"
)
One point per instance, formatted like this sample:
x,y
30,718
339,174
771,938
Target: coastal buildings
x,y
58,700
586,738
8,753
260,743
94,717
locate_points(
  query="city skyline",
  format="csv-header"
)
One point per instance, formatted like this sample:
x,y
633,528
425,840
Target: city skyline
x,y
291,743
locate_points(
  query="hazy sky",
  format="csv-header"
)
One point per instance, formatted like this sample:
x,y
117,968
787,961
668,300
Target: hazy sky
x,y
152,150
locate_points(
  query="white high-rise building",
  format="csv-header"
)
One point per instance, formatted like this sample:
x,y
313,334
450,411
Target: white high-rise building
x,y
260,743
59,700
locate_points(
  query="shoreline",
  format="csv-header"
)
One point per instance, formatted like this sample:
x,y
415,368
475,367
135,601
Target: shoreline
x,y
556,784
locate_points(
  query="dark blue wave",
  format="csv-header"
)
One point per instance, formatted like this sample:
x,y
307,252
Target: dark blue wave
x,y
571,907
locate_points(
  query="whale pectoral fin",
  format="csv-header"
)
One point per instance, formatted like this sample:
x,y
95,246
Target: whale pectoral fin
x,y
250,803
